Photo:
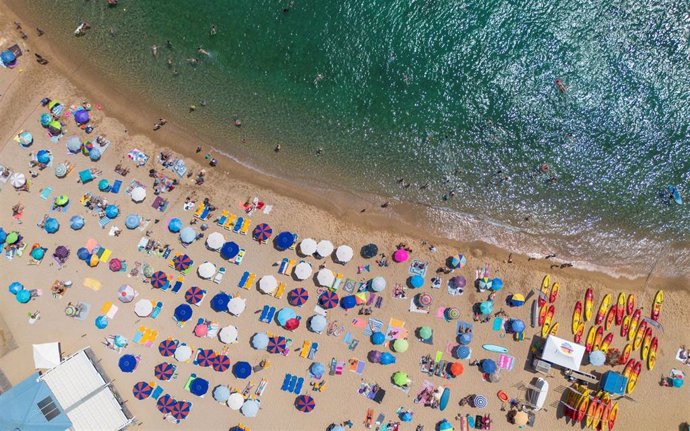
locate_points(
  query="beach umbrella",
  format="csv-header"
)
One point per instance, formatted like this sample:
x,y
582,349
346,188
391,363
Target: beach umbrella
x,y
452,313
262,232
284,315
127,363
165,404
15,287
424,299
368,251
458,261
94,154
81,116
164,371
284,240
182,262
400,378
93,260
43,157
236,306
597,358
486,307
221,393
143,308
8,58
235,401
187,235
215,241
328,299
120,341
276,345
458,282
378,284
378,338
298,296
132,221
374,356
201,329
480,401
51,225
199,386
126,293
45,119
138,194
112,211
115,264
147,270
61,170
205,357
260,341
228,334
325,277
521,418
387,358
517,325
400,345
183,312
220,301
61,253
242,369
183,353
159,280
455,369
61,200
348,302
401,255
73,144
496,284
291,324
174,225
317,369
488,366
221,363
677,382
24,296
38,253
405,416
206,270
268,284
83,253
425,332
336,428
167,347
55,128
317,323
26,139
142,390
103,185
180,410
229,250
324,248
517,300
416,281
101,322
250,408
305,403
194,295
3,236
484,283
462,352
302,270
12,237
494,377
344,253
307,246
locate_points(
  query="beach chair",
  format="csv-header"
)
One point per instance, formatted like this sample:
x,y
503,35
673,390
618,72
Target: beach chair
x,y
290,266
250,280
292,383
271,313
246,224
337,281
304,351
279,291
298,386
191,378
116,186
264,313
240,256
286,382
312,351
103,222
238,225
199,210
223,217
205,213
294,242
339,367
230,222
178,285
283,265
219,275
45,193
156,310
243,280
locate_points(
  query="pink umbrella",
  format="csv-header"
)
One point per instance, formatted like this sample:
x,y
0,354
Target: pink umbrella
x,y
201,330
401,255
115,264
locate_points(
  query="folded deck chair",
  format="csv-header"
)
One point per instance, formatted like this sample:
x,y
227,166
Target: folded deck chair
x,y
104,222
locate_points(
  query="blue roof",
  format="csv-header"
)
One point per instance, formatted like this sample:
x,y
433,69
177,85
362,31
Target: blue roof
x,y
20,407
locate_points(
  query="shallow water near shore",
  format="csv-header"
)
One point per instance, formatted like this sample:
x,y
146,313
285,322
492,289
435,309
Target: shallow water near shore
x,y
448,96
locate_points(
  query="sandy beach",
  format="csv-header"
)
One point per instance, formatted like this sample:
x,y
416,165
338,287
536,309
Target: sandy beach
x,y
228,186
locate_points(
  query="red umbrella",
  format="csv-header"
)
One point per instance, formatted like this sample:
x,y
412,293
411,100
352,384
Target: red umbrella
x,y
291,324
205,357
221,363
165,404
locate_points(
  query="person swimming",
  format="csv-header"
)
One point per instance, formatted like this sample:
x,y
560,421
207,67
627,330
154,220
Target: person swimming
x,y
154,50
213,30
561,86
201,50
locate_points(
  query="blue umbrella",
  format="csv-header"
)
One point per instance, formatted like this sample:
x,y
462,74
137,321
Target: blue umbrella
x,y
416,281
103,185
406,417
127,363
198,386
462,352
46,119
43,156
187,235
242,369
52,225
378,338
26,139
220,302
496,284
95,154
83,253
517,325
76,222
112,211
15,287
81,116
260,341
120,341
348,302
221,393
284,240
7,57
229,250
183,312
38,253
488,366
174,225
597,358
317,369
3,235
23,296
465,338
486,307
678,382
132,221
387,358
284,315
101,322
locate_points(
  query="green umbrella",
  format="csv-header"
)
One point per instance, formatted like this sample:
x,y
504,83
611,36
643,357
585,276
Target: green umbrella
x,y
400,378
12,238
486,307
103,185
425,332
400,345
61,200
148,270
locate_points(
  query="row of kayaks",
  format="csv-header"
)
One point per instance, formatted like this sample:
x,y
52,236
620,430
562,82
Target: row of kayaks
x,y
593,410
547,297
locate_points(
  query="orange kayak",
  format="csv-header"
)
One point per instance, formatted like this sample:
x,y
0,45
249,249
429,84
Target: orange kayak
x,y
577,316
620,308
639,336
633,323
589,304
580,331
651,357
625,326
598,338
554,292
603,309
626,353
589,345
607,342
610,317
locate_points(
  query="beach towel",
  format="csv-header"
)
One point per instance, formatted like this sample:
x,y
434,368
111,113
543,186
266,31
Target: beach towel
x,y
105,254
116,186
92,284
440,313
339,368
360,367
157,392
45,193
439,356
505,362
497,324
374,325
359,323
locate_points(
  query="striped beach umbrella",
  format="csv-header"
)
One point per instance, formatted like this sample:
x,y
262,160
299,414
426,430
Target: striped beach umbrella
x,y
425,299
194,295
180,410
480,401
221,363
298,296
262,232
165,404
167,347
159,280
305,403
182,262
205,357
276,345
142,390
452,313
458,261
164,371
329,299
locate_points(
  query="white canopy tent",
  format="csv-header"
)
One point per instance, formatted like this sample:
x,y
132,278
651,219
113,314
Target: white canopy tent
x,y
563,352
46,355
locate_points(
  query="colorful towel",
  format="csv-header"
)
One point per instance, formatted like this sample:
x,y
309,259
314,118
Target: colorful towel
x,y
92,284
374,325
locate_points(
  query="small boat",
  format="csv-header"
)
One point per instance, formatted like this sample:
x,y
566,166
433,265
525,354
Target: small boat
x,y
577,316
675,194
639,336
554,292
547,321
626,353
580,331
607,342
625,326
589,345
646,344
542,314
536,393
582,406
544,292
634,375
634,323
554,329
651,357
620,308
613,414
631,304
603,309
598,338
81,28
610,317
656,307
589,304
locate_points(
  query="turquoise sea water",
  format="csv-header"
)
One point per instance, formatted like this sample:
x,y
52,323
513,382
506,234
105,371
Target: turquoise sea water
x,y
450,95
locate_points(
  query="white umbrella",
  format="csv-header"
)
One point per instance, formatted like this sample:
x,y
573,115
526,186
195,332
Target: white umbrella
x,y
324,248
268,284
228,334
307,246
317,323
126,293
236,306
378,284
325,277
302,270
143,308
235,401
250,408
344,253
183,353
215,241
17,180
206,270
138,194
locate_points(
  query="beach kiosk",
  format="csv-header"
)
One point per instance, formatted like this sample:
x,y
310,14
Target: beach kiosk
x,y
564,353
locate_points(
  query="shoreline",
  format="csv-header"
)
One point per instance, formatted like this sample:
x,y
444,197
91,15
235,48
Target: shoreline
x,y
401,218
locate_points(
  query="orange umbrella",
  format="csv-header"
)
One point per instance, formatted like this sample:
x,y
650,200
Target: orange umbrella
x,y
456,369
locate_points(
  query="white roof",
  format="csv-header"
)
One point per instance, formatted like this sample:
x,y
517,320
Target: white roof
x,y
83,394
563,352
46,355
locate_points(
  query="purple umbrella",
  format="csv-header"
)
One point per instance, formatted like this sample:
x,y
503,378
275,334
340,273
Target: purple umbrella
x,y
458,282
81,116
374,356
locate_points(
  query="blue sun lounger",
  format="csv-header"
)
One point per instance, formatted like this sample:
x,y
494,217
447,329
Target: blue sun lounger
x,y
298,387
157,392
292,383
238,225
264,313
286,382
116,186
271,313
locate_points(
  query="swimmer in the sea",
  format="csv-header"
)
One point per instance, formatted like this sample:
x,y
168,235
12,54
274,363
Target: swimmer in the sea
x,y
201,50
154,50
561,86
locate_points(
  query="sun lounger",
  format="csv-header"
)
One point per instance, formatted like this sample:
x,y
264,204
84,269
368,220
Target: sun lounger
x,y
45,193
497,324
116,186
292,383
264,313
223,217
243,280
156,310
219,275
246,224
286,382
298,386
360,367
103,222
238,225
294,242
230,222
157,391
137,337
178,285
283,265
271,313
290,267
312,351
199,210
240,256
340,366
337,281
189,382
347,339
304,351
280,290
353,345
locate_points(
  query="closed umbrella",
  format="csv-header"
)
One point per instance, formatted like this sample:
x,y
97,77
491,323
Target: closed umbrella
x,y
262,232
17,180
378,284
344,253
317,323
127,363
51,225
183,353
416,281
307,246
387,358
242,369
250,408
138,194
302,270
206,270
126,293
268,284
401,255
305,403
488,366
284,240
328,299
183,312
317,369
229,250
132,221
143,308
235,401
215,241
378,338
298,296
199,387
325,277
324,248
236,306
400,345
220,301
228,334
221,393
187,235
260,341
